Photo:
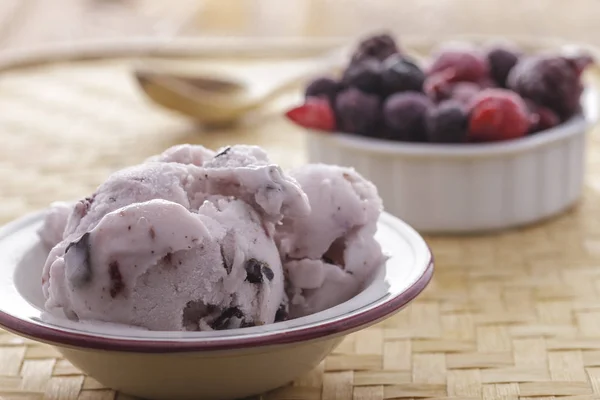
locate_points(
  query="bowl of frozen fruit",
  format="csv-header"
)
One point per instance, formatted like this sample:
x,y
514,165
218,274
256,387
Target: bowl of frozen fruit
x,y
466,136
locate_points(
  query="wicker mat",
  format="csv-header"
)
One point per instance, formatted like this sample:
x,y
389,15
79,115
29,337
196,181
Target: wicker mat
x,y
515,315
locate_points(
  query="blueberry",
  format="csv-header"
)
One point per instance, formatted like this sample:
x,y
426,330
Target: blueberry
x,y
357,112
379,46
255,270
78,266
364,75
501,60
549,81
323,87
447,123
223,320
282,313
405,113
400,74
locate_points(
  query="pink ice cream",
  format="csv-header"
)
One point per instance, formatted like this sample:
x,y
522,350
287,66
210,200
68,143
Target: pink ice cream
x,y
193,239
330,254
168,245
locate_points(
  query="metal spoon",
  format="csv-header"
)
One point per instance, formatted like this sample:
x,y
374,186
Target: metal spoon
x,y
215,99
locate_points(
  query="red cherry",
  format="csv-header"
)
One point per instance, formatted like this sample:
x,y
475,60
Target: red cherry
x,y
498,114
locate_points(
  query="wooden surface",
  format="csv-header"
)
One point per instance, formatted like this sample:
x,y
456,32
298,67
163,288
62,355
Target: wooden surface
x,y
515,315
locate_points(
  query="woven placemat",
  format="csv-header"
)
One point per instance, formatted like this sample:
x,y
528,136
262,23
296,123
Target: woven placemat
x,y
514,315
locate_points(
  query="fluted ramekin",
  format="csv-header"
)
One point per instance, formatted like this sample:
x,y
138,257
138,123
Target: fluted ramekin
x,y
438,188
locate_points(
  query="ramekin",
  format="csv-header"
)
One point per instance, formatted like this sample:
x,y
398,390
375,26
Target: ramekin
x,y
439,188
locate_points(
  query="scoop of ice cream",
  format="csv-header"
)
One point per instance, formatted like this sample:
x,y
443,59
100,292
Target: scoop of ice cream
x,y
329,254
157,265
55,221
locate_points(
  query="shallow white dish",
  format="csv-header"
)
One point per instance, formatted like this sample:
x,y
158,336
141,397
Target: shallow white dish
x,y
204,365
441,188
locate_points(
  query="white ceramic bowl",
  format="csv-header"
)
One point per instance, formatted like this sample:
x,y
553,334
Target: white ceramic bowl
x,y
466,188
203,365
439,188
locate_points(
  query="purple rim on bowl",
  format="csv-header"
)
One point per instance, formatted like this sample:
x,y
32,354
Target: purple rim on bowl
x,y
368,313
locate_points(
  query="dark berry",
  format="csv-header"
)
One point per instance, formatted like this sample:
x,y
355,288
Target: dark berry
x,y
542,117
357,112
223,320
466,64
379,46
501,60
78,267
405,114
498,114
116,279
323,87
255,270
447,123
282,313
400,74
364,75
549,81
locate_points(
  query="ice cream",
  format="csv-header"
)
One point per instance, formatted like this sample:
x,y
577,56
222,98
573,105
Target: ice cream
x,y
329,254
193,239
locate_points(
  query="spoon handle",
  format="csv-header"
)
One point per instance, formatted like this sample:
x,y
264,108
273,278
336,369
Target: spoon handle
x,y
323,65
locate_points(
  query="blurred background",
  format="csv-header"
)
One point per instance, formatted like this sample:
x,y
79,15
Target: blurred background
x,y
25,23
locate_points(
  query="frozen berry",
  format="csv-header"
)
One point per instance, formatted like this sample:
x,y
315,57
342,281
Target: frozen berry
x,y
379,46
364,75
498,114
315,113
357,112
542,117
549,81
400,74
447,123
501,60
323,87
466,64
404,113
